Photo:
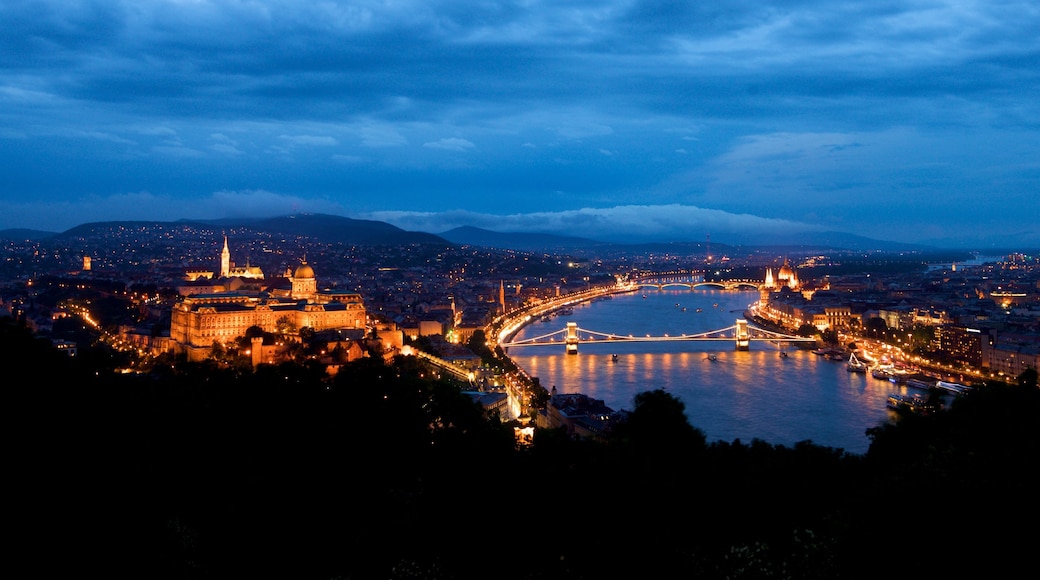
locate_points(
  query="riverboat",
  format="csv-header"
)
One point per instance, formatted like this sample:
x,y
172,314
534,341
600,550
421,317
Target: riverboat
x,y
953,388
828,352
889,373
919,383
910,404
854,365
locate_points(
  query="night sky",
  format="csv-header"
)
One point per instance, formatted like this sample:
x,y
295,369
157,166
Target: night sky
x,y
915,121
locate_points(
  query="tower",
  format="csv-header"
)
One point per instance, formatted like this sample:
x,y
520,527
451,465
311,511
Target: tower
x,y
502,295
225,260
303,282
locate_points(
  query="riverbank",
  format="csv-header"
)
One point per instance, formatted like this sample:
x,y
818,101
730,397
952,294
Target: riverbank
x,y
506,326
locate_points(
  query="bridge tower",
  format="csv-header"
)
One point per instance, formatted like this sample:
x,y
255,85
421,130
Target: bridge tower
x,y
743,335
572,338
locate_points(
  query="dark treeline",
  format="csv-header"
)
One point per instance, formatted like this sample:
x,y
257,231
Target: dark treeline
x,y
202,471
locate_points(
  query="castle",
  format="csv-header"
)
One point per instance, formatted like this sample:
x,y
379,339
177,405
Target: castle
x,y
222,313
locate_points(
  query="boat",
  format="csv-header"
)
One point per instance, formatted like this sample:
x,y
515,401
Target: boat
x,y
855,365
830,353
910,404
698,310
952,388
920,383
613,357
712,356
883,373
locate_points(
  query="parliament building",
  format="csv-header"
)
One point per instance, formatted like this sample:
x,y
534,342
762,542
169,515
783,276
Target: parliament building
x,y
201,320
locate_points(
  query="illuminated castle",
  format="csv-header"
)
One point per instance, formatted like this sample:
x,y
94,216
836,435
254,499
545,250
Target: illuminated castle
x,y
228,269
201,320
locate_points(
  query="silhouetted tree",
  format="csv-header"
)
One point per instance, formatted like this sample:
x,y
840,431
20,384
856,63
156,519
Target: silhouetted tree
x,y
875,328
1027,378
658,421
807,330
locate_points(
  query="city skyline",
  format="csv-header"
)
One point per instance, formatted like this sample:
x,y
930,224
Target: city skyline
x,y
908,121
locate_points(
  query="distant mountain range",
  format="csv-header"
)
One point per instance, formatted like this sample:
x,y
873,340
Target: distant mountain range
x,y
328,228
537,242
333,228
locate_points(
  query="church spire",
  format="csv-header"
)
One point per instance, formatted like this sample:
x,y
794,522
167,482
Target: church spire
x,y
225,260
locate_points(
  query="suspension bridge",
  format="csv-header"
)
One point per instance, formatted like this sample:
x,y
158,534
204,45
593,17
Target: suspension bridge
x,y
741,334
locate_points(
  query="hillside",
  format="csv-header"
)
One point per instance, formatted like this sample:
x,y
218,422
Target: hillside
x,y
327,228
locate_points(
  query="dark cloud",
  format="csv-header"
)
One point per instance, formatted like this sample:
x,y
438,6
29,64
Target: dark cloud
x,y
837,114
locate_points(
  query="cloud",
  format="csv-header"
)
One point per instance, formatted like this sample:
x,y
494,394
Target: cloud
x,y
626,223
381,136
450,144
846,115
224,144
309,140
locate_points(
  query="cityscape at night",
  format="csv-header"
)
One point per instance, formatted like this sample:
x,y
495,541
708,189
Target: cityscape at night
x,y
289,338
530,290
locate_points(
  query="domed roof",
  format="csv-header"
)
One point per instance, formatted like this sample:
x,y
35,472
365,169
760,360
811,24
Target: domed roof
x,y
304,271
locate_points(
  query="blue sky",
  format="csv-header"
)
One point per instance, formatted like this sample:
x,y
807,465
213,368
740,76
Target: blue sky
x,y
903,120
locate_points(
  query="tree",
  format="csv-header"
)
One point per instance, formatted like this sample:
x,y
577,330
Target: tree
x,y
478,344
658,422
876,328
1027,378
807,330
217,351
285,325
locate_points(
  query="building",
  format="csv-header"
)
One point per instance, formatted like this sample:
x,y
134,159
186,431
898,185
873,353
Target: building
x,y
963,344
785,277
228,269
199,321
577,414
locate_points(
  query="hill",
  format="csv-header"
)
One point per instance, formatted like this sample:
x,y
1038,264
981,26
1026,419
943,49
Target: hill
x,y
25,234
327,228
555,243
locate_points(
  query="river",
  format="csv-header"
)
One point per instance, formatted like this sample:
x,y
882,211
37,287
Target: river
x,y
745,395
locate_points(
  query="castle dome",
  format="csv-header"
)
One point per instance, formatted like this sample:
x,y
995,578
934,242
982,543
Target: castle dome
x,y
304,271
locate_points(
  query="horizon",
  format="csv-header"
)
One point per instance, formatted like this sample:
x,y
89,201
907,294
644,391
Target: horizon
x,y
851,242
908,122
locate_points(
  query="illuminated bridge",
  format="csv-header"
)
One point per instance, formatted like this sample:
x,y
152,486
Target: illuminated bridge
x,y
741,334
692,281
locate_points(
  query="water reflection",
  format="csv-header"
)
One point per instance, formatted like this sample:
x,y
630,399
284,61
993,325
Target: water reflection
x,y
740,395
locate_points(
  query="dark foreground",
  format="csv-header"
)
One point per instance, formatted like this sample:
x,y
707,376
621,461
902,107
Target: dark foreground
x,y
200,471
